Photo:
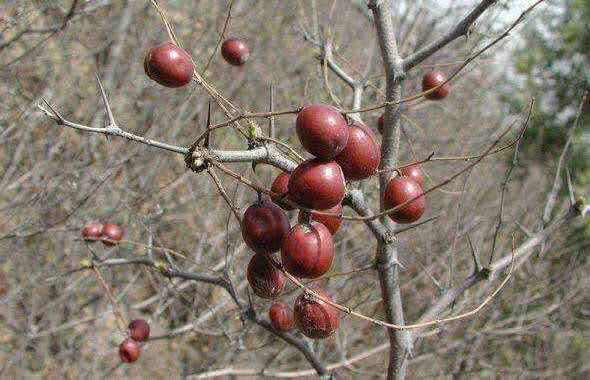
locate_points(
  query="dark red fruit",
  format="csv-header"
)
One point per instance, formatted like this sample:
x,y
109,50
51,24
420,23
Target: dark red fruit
x,y
112,233
362,154
168,65
139,330
308,250
315,318
322,130
414,172
264,227
281,187
265,280
399,190
281,317
433,79
129,350
381,123
331,222
235,51
92,231
317,184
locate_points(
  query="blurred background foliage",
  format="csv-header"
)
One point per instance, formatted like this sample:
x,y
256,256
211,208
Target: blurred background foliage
x,y
53,181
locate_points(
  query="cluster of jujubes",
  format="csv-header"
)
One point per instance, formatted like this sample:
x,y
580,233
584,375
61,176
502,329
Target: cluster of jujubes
x,y
109,233
130,347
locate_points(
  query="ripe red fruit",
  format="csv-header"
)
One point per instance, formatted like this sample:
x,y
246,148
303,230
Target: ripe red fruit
x,y
112,233
331,222
129,350
322,130
281,186
308,250
317,184
414,172
315,318
139,330
380,123
168,65
399,190
264,227
433,79
281,317
265,280
92,232
235,51
362,154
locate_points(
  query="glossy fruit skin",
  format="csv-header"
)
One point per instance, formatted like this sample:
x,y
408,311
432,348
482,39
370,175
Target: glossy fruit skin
x,y
168,65
235,51
414,172
92,232
264,226
433,79
381,123
139,330
281,186
112,232
308,250
331,222
265,280
322,130
129,351
362,154
315,318
317,184
281,317
399,190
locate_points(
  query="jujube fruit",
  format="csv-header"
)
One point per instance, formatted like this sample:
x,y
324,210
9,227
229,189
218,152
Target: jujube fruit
x,y
281,317
235,51
414,172
308,250
362,154
331,222
317,184
280,186
129,350
139,330
315,318
168,65
433,79
112,234
92,231
265,280
400,190
264,226
322,130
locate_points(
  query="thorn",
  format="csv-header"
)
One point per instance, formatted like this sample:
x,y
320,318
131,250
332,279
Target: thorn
x,y
570,187
207,140
271,122
107,106
56,116
475,255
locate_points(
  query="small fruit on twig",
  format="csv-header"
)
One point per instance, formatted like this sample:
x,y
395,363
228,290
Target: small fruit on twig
x,y
414,172
280,186
111,234
331,222
362,154
400,190
235,51
433,79
264,226
315,318
281,317
308,250
168,65
92,232
322,130
129,350
265,280
317,184
139,330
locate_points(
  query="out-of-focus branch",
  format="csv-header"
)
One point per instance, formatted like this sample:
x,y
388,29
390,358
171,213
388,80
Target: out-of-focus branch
x,y
459,30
